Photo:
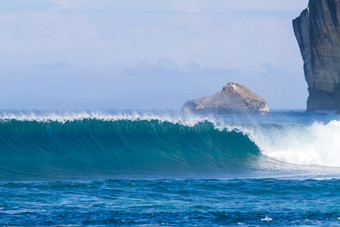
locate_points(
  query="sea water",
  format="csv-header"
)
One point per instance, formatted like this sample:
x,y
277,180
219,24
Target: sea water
x,y
167,168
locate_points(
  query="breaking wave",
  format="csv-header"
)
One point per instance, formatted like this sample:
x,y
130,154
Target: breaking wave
x,y
136,144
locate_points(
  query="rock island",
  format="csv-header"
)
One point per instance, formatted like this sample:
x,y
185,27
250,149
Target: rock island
x,y
233,99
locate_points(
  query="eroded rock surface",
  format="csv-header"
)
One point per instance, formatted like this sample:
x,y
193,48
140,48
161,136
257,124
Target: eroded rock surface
x,y
233,99
317,31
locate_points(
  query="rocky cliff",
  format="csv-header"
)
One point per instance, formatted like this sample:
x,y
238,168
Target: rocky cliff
x,y
233,99
317,31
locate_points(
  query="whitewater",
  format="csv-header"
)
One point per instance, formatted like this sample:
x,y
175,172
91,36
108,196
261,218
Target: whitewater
x,y
169,168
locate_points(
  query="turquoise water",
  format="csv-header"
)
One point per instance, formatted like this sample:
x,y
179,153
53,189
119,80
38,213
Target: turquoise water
x,y
165,168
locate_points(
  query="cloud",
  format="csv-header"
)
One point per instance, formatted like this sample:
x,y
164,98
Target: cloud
x,y
221,40
16,6
43,31
166,67
179,6
193,47
273,70
247,5
55,66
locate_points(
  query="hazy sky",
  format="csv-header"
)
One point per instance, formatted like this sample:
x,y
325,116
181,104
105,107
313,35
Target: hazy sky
x,y
111,54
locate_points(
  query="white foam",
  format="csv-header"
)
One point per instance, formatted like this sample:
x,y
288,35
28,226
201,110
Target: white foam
x,y
316,144
63,117
266,219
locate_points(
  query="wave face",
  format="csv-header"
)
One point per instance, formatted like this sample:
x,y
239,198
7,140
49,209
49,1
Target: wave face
x,y
45,147
90,144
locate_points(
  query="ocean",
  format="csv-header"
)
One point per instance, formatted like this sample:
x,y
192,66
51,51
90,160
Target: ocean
x,y
167,168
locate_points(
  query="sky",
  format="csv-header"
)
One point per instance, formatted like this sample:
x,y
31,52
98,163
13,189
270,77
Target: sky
x,y
150,54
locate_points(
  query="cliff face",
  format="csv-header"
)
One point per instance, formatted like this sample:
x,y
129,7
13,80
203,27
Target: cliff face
x,y
233,99
317,31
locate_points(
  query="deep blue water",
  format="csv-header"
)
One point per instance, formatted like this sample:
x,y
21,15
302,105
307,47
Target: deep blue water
x,y
164,168
171,202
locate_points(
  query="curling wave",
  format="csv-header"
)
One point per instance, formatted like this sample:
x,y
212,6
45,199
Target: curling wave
x,y
122,146
150,144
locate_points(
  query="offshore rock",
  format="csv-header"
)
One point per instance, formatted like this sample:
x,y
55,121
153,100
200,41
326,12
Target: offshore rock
x,y
233,99
317,31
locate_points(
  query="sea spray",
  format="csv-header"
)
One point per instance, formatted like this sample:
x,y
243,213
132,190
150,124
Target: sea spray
x,y
315,144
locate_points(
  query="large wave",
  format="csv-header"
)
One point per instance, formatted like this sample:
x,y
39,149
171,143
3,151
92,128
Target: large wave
x,y
121,145
136,144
